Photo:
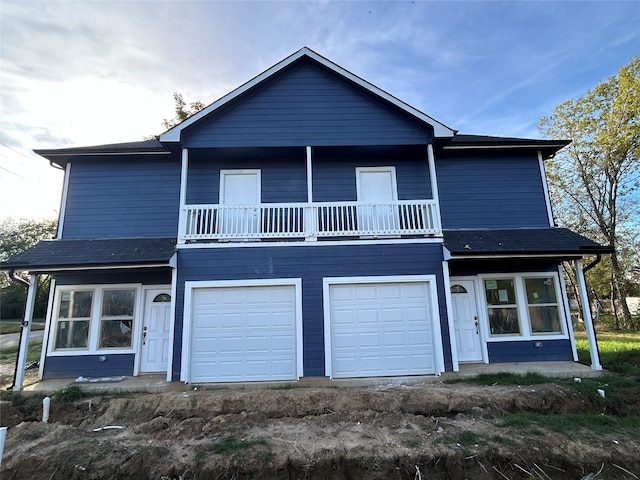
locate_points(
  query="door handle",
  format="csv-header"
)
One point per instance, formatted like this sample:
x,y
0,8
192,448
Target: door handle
x,y
476,322
144,334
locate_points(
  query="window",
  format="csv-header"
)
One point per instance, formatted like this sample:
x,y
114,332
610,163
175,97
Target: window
x,y
74,317
95,318
524,305
502,306
542,305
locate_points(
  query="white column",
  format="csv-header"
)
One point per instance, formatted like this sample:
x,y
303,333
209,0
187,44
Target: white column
x,y
182,219
63,200
545,187
310,212
434,185
26,331
449,303
586,316
48,327
567,313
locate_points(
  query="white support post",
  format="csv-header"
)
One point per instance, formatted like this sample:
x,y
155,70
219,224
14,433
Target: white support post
x,y
63,200
434,185
586,316
26,331
182,219
449,303
309,211
48,328
545,188
567,313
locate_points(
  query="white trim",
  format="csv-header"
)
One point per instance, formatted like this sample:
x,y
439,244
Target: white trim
x,y
482,320
498,147
319,243
521,306
94,321
184,172
63,200
567,312
389,169
47,328
26,331
586,316
88,268
174,134
449,307
435,311
190,286
435,195
510,256
309,176
172,321
240,171
145,291
545,188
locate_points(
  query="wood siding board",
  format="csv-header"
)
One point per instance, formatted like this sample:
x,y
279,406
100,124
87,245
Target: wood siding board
x,y
490,191
105,277
89,366
526,351
128,197
306,105
311,264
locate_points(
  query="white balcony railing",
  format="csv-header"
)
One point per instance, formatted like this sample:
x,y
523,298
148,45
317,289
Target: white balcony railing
x,y
309,220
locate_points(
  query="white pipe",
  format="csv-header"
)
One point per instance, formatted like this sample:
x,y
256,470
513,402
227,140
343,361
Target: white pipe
x,y
3,435
46,403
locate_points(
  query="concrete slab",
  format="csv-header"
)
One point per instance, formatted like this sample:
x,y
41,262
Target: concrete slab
x,y
548,369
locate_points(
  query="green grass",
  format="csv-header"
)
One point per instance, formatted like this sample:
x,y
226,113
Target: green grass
x,y
501,378
467,438
14,326
619,352
10,353
69,394
231,445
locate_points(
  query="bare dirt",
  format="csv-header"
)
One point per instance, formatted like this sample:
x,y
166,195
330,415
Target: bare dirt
x,y
429,431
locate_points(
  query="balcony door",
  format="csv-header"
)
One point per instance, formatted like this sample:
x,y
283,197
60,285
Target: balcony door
x,y
239,202
378,192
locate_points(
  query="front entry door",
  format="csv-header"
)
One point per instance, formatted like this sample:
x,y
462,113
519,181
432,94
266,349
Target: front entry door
x,y
465,321
377,191
240,195
155,331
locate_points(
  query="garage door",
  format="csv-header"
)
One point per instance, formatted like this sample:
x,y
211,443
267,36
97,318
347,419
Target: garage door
x,y
381,329
243,334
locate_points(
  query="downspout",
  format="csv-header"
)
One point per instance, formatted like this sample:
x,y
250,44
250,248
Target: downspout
x,y
14,276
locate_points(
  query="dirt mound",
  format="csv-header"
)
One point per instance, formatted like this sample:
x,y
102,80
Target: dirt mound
x,y
433,431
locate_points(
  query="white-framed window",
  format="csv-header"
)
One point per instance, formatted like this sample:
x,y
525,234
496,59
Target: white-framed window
x,y
95,318
523,305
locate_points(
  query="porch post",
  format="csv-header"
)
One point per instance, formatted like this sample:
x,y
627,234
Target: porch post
x,y
434,187
310,212
448,302
182,218
586,316
26,331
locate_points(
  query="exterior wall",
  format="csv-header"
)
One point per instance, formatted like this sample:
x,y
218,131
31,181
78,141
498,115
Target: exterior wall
x,y
307,105
480,190
311,264
119,198
526,351
283,174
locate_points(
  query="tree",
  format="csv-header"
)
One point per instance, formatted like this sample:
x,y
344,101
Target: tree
x,y
183,111
16,237
595,181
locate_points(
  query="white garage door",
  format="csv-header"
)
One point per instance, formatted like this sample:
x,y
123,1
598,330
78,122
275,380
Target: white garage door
x,y
381,329
243,334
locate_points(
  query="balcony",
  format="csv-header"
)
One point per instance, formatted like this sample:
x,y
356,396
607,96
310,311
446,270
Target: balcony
x,y
309,221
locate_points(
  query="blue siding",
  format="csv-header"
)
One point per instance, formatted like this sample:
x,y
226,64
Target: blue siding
x,y
89,366
334,172
526,351
284,178
490,191
311,264
307,105
105,277
129,197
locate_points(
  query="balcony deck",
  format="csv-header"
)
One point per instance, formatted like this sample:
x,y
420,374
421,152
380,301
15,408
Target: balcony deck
x,y
309,221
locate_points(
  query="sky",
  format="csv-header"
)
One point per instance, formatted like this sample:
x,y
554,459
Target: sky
x,y
79,73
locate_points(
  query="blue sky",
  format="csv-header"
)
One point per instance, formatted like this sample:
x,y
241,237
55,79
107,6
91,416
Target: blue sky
x,y
88,73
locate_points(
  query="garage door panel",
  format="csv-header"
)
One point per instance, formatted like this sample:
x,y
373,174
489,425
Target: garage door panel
x,y
381,329
243,334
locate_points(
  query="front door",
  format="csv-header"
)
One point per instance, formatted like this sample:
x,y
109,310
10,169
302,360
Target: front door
x,y
239,198
465,321
155,331
377,190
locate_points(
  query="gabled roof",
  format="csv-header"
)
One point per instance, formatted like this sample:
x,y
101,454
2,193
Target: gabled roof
x,y
60,255
548,148
519,242
440,130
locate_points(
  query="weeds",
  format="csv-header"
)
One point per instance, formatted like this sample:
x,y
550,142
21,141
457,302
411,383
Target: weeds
x,y
69,394
502,378
467,438
231,445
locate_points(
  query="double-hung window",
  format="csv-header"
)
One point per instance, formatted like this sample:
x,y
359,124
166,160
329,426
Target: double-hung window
x,y
523,306
95,318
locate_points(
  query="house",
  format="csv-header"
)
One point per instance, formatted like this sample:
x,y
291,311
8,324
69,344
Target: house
x,y
307,224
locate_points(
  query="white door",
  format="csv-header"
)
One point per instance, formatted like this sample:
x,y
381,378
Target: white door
x,y
240,195
154,355
377,189
381,329
465,321
243,334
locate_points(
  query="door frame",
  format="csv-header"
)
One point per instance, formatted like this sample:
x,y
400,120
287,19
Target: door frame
x,y
431,281
390,169
138,357
482,322
187,320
